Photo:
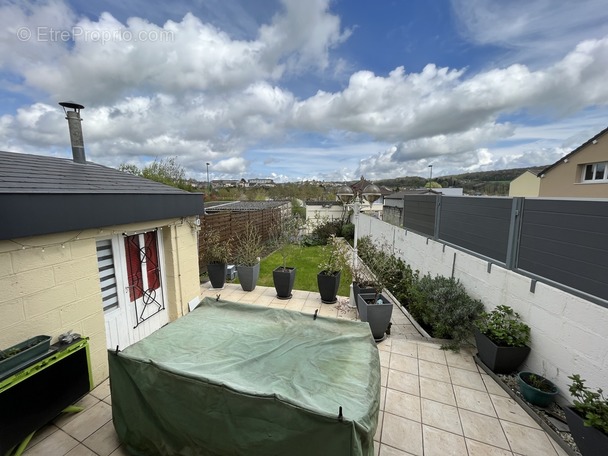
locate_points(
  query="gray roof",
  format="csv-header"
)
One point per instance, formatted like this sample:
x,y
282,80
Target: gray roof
x,y
25,173
243,206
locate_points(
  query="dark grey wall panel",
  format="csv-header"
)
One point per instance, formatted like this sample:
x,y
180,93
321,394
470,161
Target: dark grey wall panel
x,y
420,213
566,241
477,224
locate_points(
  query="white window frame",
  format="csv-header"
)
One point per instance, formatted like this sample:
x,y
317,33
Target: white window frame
x,y
604,179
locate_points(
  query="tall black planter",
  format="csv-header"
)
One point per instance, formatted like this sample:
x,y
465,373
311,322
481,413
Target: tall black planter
x,y
217,274
589,440
500,360
248,276
328,286
378,316
283,281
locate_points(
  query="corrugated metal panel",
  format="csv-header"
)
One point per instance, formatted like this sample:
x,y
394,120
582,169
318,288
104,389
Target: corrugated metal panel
x,y
480,225
420,213
566,241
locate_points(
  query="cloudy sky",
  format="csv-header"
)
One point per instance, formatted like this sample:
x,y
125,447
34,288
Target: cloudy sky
x,y
315,89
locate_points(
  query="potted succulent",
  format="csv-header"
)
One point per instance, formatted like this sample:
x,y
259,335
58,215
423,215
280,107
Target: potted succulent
x,y
215,254
334,260
536,389
248,249
587,418
284,234
502,339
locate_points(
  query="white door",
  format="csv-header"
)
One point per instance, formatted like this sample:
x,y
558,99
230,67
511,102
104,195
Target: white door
x,y
131,285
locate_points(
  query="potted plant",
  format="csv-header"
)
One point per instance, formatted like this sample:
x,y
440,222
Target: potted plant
x,y
23,352
536,389
248,249
334,260
587,418
376,308
284,234
215,254
502,339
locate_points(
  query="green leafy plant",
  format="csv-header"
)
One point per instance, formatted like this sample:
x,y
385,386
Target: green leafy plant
x,y
248,247
443,305
334,256
540,383
504,327
591,405
213,249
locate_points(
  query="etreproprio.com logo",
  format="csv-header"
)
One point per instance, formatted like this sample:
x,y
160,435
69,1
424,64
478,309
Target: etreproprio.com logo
x,y
50,34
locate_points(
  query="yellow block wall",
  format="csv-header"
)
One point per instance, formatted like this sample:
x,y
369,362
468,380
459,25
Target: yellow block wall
x,y
52,285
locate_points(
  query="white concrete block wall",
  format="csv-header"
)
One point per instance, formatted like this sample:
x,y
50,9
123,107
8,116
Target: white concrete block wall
x,y
569,333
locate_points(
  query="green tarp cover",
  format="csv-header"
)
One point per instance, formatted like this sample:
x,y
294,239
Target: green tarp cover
x,y
239,379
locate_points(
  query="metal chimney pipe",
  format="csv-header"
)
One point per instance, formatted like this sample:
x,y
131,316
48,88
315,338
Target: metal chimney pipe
x,y
73,118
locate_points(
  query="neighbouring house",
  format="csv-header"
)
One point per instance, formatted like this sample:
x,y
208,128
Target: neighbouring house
x,y
91,249
319,212
583,173
527,184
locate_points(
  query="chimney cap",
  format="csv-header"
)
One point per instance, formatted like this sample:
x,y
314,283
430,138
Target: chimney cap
x,y
71,104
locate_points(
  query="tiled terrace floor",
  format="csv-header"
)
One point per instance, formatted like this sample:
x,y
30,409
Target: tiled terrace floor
x,y
432,403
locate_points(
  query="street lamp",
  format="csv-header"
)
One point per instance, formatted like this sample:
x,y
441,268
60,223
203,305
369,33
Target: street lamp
x,y
208,186
430,174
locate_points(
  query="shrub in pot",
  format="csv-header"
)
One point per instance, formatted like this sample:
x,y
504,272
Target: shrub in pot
x,y
536,389
588,418
283,235
215,253
334,261
502,339
248,249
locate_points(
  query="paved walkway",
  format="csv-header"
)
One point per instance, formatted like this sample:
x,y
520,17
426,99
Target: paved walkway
x,y
433,402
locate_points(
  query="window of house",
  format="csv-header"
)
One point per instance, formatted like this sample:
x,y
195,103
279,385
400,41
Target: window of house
x,y
594,172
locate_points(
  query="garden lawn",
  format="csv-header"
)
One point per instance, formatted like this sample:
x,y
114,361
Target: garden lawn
x,y
306,260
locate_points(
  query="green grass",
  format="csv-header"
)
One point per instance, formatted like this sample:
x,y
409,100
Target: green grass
x,y
306,261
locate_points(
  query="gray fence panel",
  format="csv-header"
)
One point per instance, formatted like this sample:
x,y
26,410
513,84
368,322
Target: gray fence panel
x,y
567,242
480,225
420,213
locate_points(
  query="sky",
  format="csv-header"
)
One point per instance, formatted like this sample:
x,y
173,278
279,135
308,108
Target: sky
x,y
306,90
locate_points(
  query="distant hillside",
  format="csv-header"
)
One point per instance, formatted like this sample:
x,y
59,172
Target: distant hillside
x,y
483,182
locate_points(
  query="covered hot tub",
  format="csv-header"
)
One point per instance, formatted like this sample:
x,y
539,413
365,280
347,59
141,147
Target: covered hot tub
x,y
239,379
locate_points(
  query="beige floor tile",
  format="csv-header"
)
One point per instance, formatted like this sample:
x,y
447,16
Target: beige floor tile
x,y
102,390
120,451
277,304
88,421
404,382
386,450
404,347
42,434
58,443
476,448
404,363
86,402
528,441
476,401
508,409
437,391
403,434
467,378
432,353
558,449
378,432
386,344
462,360
493,387
441,416
383,376
80,450
108,400
441,443
382,397
433,370
384,358
403,404
483,428
103,441
295,304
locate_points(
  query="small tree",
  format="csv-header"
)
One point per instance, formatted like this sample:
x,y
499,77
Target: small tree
x,y
248,246
213,249
285,233
334,256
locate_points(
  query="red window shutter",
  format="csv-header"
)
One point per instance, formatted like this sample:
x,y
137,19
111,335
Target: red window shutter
x,y
152,260
134,274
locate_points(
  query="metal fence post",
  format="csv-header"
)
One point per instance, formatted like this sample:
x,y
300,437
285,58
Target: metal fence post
x,y
437,217
514,232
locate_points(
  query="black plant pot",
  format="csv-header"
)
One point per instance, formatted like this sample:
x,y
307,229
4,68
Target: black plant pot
x,y
217,274
283,281
500,360
589,440
248,276
534,395
378,316
357,290
328,286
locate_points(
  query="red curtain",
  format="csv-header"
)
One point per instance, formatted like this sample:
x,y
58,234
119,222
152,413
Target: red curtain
x,y
152,260
134,274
